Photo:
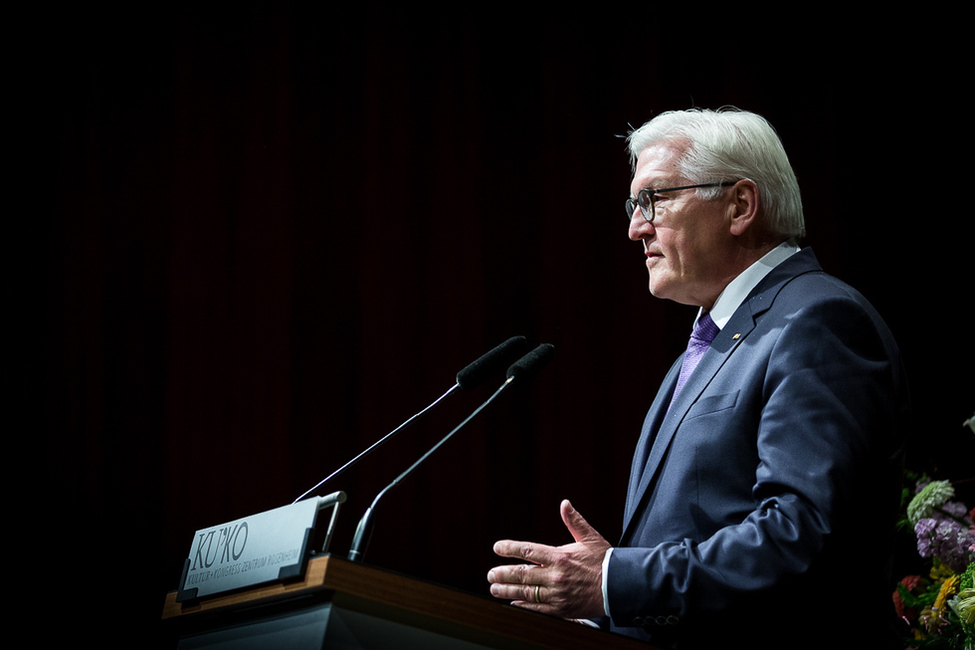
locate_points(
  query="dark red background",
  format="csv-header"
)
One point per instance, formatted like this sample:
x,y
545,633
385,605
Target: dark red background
x,y
275,235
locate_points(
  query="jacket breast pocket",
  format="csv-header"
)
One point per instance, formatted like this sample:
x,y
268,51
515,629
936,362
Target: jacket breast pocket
x,y
713,404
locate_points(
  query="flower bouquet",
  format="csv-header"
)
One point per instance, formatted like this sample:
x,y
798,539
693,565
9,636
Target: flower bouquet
x,y
939,609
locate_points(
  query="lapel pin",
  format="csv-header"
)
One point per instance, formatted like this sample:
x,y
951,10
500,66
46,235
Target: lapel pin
x,y
736,336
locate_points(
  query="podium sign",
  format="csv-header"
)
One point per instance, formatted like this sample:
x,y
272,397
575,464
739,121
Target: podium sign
x,y
265,547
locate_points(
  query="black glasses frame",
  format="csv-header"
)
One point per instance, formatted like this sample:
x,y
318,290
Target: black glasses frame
x,y
644,198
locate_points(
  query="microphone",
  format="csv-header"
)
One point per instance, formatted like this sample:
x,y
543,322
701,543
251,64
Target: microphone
x,y
523,369
475,373
529,365
470,377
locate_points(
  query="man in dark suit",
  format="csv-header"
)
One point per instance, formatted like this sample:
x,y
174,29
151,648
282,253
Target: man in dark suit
x,y
765,483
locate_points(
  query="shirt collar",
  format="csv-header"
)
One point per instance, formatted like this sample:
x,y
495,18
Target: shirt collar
x,y
738,289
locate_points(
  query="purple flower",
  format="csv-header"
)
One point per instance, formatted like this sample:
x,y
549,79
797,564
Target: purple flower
x,y
946,539
952,508
923,530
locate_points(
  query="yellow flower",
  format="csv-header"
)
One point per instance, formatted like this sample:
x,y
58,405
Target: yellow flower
x,y
948,589
935,617
939,570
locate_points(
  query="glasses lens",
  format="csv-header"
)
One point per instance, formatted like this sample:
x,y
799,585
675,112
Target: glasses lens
x,y
630,207
645,199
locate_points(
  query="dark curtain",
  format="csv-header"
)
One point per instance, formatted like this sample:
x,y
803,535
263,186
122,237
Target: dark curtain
x,y
271,236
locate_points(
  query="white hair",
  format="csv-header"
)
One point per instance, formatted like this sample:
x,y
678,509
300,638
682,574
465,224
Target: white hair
x,y
729,145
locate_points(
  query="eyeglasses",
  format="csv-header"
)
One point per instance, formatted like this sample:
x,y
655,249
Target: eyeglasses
x,y
644,198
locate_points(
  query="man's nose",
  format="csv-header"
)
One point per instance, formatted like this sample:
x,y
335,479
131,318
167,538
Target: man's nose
x,y
640,228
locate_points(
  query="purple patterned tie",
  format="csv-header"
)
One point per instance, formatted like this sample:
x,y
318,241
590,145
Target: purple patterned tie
x,y
704,332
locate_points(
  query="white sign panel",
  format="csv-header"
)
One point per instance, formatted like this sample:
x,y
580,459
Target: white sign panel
x,y
260,548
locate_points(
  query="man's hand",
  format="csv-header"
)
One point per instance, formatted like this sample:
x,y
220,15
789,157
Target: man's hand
x,y
563,581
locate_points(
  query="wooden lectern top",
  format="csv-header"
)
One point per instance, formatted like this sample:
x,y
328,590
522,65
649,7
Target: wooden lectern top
x,y
411,602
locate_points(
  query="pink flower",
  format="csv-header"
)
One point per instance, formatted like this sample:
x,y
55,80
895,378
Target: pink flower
x,y
910,583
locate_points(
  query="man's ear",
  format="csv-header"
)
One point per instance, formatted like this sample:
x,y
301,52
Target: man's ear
x,y
743,206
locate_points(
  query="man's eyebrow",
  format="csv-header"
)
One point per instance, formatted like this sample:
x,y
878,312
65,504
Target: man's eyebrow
x,y
658,184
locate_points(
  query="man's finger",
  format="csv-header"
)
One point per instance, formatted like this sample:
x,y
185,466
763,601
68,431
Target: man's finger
x,y
521,593
580,529
535,553
515,574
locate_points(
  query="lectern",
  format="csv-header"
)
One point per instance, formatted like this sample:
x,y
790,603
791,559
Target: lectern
x,y
254,582
343,604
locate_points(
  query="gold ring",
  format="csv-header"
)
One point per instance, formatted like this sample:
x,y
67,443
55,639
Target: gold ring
x,y
537,599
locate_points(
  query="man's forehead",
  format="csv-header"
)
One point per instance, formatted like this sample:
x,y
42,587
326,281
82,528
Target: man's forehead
x,y
656,162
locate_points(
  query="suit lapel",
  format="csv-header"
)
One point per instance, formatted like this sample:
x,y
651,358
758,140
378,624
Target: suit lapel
x,y
667,421
651,424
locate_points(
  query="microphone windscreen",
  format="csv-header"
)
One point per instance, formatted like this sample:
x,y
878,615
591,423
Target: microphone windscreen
x,y
474,374
529,365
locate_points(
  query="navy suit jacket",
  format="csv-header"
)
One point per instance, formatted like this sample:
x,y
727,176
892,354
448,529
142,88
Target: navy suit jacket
x,y
761,507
